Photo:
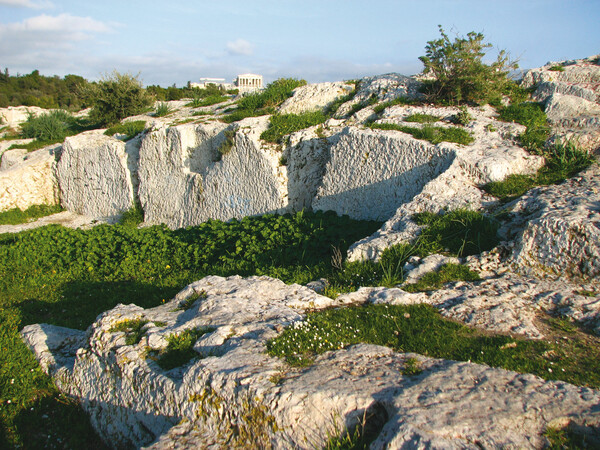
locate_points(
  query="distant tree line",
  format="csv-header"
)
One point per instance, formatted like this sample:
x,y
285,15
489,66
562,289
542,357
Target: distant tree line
x,y
73,91
46,92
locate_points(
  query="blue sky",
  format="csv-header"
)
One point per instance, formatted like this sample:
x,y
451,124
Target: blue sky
x,y
318,40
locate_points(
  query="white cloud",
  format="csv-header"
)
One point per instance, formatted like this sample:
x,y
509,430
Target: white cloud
x,y
46,41
240,47
40,4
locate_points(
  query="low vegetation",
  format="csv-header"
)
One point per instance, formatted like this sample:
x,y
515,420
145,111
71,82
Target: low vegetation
x,y
132,329
180,348
17,216
129,129
563,161
460,75
163,109
435,135
199,102
447,273
284,124
422,118
116,97
265,102
421,329
531,115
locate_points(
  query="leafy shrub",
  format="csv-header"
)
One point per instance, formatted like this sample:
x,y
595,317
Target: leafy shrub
x,y
16,216
163,109
531,115
130,129
422,118
435,135
283,124
460,75
461,232
116,97
54,126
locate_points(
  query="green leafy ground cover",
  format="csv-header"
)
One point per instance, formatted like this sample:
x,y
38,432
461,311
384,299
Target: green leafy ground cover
x,y
199,102
16,216
67,277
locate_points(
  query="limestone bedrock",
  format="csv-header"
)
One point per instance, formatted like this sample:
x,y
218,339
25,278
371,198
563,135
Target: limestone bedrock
x,y
235,385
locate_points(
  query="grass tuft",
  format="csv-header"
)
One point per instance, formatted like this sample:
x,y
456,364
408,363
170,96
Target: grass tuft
x,y
132,328
163,109
435,135
422,118
284,124
447,273
129,129
180,349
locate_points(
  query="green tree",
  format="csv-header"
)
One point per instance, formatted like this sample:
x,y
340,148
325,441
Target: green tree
x,y
460,76
117,96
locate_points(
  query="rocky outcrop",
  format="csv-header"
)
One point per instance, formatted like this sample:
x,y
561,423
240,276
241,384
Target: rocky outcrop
x,y
370,173
235,394
312,97
556,229
570,91
192,173
14,116
97,174
31,180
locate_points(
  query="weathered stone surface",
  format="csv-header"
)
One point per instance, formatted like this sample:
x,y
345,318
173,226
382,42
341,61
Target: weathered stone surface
x,y
492,157
11,158
312,97
385,87
417,267
557,228
370,173
32,181
97,174
237,395
184,179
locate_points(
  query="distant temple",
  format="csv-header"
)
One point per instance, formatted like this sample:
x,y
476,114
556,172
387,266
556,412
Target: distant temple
x,y
247,82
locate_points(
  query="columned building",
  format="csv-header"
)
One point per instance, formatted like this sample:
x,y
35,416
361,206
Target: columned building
x,y
249,82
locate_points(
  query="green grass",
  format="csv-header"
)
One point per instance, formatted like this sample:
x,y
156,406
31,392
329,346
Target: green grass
x,y
422,118
132,217
52,126
229,142
180,348
563,161
447,273
460,232
208,101
531,115
16,216
284,124
397,101
435,135
129,129
557,68
132,328
163,109
189,302
421,329
265,102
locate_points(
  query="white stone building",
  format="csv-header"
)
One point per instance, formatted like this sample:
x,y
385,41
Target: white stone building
x,y
249,82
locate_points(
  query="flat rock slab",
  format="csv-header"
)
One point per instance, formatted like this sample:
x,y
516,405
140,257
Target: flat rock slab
x,y
64,218
237,395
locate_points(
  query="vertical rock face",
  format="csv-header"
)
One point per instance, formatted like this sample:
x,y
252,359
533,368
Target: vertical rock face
x,y
370,173
192,173
31,181
96,174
